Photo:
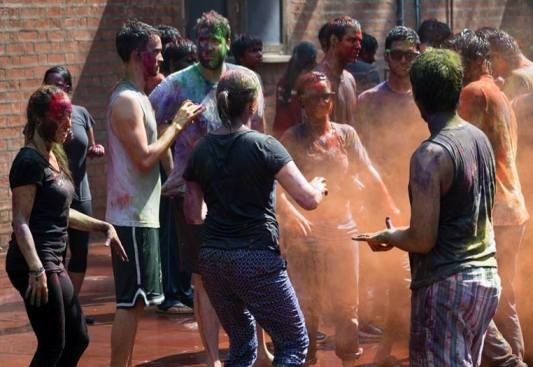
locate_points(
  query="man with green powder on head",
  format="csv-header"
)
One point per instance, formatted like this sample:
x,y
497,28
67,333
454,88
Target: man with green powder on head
x,y
197,83
450,240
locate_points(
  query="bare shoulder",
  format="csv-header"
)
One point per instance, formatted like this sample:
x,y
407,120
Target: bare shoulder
x,y
430,163
125,107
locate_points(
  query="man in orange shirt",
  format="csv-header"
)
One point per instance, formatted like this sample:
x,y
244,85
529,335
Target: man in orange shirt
x,y
483,104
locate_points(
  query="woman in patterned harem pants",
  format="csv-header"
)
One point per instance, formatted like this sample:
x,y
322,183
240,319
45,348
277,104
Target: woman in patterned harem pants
x,y
233,169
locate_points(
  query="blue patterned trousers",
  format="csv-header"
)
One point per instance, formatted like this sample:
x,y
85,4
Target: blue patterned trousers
x,y
245,285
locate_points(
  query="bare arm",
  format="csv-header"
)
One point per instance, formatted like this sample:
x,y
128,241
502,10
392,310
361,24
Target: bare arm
x,y
372,180
430,178
307,195
292,218
83,222
192,203
127,122
166,159
23,199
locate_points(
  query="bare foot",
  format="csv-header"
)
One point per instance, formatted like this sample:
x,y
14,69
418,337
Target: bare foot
x,y
264,358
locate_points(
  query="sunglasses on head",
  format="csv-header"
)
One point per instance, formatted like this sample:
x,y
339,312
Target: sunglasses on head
x,y
398,55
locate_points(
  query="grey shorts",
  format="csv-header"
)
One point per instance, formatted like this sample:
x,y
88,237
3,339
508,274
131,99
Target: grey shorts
x,y
141,275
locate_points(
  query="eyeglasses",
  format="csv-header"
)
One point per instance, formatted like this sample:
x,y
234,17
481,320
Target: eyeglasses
x,y
398,55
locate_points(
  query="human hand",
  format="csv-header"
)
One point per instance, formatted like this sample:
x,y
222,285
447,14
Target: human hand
x,y
37,291
187,112
113,241
319,183
96,150
377,241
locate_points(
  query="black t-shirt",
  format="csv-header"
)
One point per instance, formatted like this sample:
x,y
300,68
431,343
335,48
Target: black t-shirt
x,y
236,173
49,216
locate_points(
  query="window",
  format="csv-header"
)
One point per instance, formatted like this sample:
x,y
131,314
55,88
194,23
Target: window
x,y
264,18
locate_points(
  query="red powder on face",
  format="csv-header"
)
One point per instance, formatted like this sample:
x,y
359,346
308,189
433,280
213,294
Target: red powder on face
x,y
59,106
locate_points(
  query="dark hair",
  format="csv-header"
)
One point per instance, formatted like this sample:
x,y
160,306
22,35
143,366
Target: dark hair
x,y
60,70
176,51
133,35
437,79
168,34
323,36
402,33
214,22
338,27
308,78
242,43
303,59
369,43
434,33
235,89
471,46
505,46
38,107
486,31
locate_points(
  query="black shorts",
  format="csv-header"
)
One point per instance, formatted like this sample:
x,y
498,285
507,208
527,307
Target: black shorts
x,y
141,275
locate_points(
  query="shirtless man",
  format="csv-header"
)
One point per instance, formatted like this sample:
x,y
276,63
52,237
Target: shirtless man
x,y
382,112
342,37
483,104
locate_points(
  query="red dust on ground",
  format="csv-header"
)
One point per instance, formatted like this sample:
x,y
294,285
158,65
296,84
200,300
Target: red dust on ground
x,y
162,341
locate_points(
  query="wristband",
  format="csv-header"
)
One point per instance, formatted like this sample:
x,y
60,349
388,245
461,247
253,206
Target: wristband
x,y
37,273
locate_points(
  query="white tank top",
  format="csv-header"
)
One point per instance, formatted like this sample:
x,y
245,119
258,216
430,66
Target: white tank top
x,y
132,195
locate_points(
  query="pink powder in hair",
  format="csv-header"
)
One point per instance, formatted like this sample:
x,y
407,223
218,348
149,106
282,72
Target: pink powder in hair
x,y
59,106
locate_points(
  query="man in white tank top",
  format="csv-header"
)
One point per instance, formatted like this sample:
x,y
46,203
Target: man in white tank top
x,y
133,182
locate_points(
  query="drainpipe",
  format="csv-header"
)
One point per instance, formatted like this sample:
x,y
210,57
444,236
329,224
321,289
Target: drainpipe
x,y
417,13
399,12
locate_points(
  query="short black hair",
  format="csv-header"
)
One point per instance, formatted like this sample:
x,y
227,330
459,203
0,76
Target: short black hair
x,y
369,44
487,31
133,35
402,33
60,70
323,36
175,51
503,44
434,33
338,27
214,22
242,43
437,79
168,34
471,46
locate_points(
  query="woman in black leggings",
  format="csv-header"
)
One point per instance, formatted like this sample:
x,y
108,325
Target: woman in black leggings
x,y
42,193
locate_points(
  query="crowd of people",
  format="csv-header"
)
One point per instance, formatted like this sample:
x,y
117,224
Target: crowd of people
x,y
209,214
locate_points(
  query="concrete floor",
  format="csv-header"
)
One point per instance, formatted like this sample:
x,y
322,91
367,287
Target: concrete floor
x,y
161,341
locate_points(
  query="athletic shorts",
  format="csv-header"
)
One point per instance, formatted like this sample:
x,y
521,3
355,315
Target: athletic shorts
x,y
141,275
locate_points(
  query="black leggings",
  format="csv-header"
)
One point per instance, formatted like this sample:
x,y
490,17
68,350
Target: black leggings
x,y
78,241
59,325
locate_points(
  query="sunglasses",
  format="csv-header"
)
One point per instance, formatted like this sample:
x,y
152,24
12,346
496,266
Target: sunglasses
x,y
398,55
324,97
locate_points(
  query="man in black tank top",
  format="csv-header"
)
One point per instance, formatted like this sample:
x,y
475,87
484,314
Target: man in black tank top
x,y
450,240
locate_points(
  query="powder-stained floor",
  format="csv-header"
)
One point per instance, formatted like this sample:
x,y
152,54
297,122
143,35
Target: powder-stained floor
x,y
162,341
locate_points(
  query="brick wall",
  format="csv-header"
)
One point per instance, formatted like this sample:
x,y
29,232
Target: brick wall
x,y
35,35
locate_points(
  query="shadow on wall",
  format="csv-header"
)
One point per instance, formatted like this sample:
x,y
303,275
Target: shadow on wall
x,y
103,69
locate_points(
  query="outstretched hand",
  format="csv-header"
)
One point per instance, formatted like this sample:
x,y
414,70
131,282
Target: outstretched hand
x,y
113,241
378,241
